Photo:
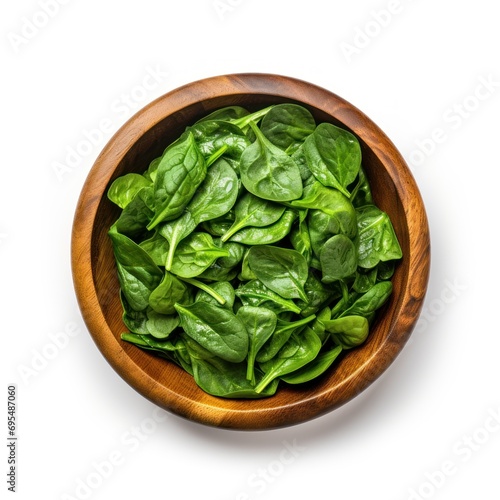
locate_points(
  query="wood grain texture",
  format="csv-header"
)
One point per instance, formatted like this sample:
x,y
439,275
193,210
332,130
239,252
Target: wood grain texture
x,y
142,139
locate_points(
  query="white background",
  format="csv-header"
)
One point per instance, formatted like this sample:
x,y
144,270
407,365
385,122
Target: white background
x,y
430,426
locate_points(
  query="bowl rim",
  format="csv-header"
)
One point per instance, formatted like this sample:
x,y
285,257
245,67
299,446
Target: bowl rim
x,y
232,415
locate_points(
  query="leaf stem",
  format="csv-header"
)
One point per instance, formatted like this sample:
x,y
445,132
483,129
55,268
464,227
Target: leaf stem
x,y
202,286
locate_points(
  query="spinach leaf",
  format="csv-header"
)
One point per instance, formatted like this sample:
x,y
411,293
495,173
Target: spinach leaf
x,y
376,240
366,304
226,114
227,380
300,237
333,203
180,172
157,247
287,124
268,172
124,189
137,214
283,331
216,329
160,326
333,156
348,331
260,324
282,270
268,234
170,291
362,194
338,258
212,135
214,198
195,254
314,368
137,273
253,211
296,353
255,293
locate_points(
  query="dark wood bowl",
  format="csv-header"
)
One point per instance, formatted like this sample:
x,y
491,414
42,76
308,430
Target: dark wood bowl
x,y
142,139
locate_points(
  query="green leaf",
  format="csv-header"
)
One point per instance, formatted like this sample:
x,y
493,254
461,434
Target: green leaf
x,y
314,368
287,124
124,189
253,211
296,353
260,324
180,172
216,329
137,273
170,291
348,331
282,270
195,254
333,156
266,171
376,240
338,258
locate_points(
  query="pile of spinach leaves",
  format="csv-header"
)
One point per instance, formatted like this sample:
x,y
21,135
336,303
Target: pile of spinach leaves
x,y
251,252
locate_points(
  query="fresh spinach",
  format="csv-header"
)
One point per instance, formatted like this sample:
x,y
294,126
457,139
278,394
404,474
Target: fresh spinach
x,y
252,255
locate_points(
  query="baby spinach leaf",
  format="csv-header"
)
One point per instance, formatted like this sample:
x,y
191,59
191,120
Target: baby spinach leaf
x,y
255,293
180,172
157,247
124,189
338,258
366,304
217,193
260,324
268,234
376,240
317,294
170,291
195,254
333,156
300,237
296,353
174,232
282,270
160,326
282,332
268,172
253,211
227,380
212,135
137,273
287,124
216,329
314,368
361,194
348,331
137,214
333,203
227,114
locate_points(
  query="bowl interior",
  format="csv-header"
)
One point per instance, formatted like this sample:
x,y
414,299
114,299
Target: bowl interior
x,y
144,138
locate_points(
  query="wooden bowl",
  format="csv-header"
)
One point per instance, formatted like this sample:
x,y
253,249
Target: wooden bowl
x,y
142,139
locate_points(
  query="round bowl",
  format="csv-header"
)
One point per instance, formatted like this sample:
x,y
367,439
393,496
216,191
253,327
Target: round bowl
x,y
142,139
